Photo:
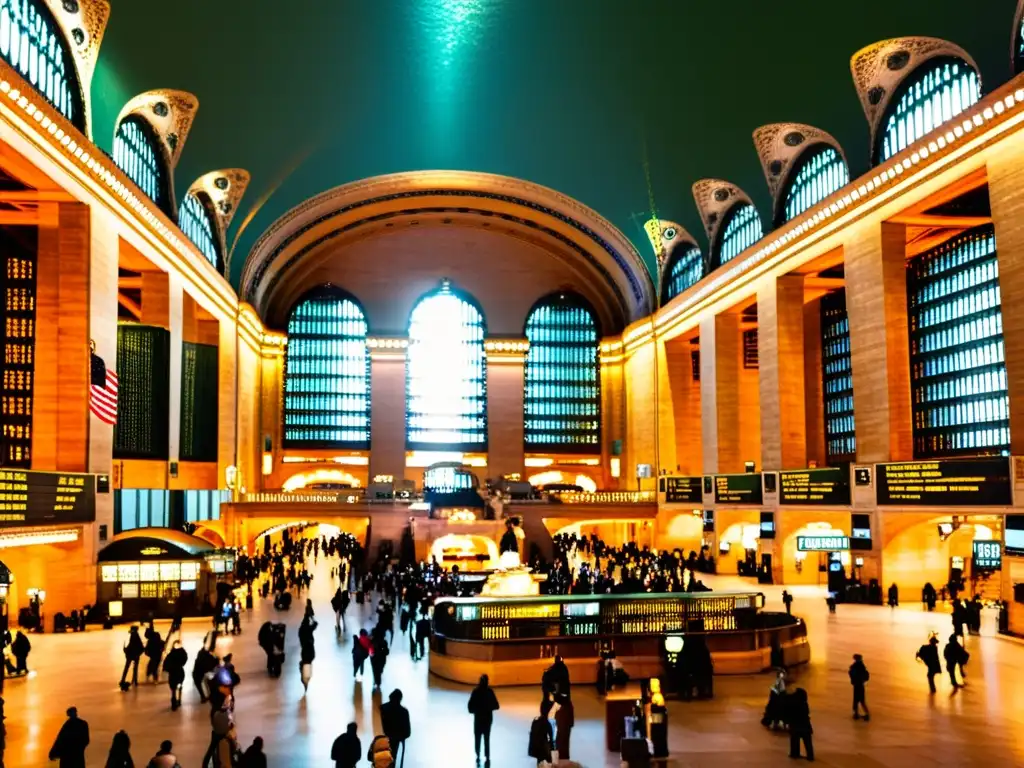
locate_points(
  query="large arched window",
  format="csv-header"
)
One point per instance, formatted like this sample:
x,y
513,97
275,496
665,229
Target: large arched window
x,y
31,42
562,403
941,89
685,269
821,172
741,230
446,373
327,373
137,154
196,222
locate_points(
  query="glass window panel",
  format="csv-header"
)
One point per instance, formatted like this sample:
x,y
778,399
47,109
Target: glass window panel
x,y
446,370
685,270
136,153
190,571
129,590
128,572
170,571
108,573
837,379
741,230
149,571
197,224
821,172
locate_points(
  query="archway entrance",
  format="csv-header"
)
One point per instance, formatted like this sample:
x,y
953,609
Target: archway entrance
x,y
471,552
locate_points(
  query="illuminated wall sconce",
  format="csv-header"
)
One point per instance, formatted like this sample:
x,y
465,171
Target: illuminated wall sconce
x,y
115,609
268,463
615,466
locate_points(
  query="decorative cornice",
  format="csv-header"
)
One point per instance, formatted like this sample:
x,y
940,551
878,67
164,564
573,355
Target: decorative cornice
x,y
714,198
225,189
780,146
170,113
667,236
879,69
83,23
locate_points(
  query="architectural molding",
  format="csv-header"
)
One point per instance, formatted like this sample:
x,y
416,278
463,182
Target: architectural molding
x,y
225,189
169,113
714,197
82,22
667,236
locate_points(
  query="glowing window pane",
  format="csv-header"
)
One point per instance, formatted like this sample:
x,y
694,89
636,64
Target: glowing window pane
x,y
108,573
940,90
957,366
562,400
742,230
170,571
327,374
195,222
686,269
31,42
128,572
837,379
446,374
190,571
136,153
149,571
821,173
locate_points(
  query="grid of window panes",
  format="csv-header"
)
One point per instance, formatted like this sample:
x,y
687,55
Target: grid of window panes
x,y
687,269
204,505
961,404
942,90
194,220
141,508
31,43
837,379
135,153
446,374
143,392
820,174
447,479
751,358
562,403
327,374
742,230
19,334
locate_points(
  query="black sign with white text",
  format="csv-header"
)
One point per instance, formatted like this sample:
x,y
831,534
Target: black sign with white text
x,y
982,481
46,498
828,486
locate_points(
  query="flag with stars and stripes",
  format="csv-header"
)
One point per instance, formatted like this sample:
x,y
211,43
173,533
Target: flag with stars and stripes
x,y
103,391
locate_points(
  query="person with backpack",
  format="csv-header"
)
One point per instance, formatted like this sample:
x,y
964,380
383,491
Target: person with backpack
x,y
132,654
929,655
858,678
380,755
542,737
482,705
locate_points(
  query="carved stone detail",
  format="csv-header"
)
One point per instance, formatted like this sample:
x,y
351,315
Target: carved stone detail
x,y
82,23
169,113
225,189
780,146
713,198
667,236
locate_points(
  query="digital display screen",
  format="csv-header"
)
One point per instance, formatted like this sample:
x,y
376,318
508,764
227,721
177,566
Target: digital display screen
x,y
38,498
738,489
683,490
1015,535
828,486
828,543
988,555
982,481
767,525
862,533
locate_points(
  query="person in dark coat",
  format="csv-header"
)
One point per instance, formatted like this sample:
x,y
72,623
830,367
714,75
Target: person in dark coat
x,y
120,755
307,650
378,660
556,678
174,666
959,617
955,656
254,756
204,664
154,651
541,737
799,718
362,648
394,721
72,739
858,678
929,596
132,653
565,719
347,749
787,600
21,648
894,595
482,705
929,654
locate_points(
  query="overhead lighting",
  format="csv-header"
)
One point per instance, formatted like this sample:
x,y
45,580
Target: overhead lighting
x,y
63,536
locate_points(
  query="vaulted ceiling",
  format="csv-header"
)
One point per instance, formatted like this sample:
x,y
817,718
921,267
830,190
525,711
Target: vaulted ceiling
x,y
621,104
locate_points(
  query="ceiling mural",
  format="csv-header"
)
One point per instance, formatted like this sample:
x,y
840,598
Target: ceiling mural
x,y
620,104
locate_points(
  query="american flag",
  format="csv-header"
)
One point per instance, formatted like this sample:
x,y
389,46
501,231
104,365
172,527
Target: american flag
x,y
103,391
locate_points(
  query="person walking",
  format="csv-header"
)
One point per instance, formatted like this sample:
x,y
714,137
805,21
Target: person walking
x,y
164,758
378,660
787,600
556,678
21,648
858,678
394,721
362,649
953,655
894,595
174,666
307,650
336,607
483,703
799,718
132,653
73,737
565,719
541,738
929,655
347,749
120,755
254,756
154,651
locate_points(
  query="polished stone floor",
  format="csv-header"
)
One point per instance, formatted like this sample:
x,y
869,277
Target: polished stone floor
x,y
983,724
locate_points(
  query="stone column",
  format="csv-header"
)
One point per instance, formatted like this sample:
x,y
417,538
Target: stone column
x,y
719,393
814,399
683,399
876,302
387,415
505,392
227,401
780,323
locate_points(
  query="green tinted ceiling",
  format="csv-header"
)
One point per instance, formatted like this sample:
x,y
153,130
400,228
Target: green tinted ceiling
x,y
572,94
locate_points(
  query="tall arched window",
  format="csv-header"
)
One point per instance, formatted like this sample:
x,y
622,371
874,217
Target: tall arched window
x,y
196,222
562,403
31,42
446,373
137,154
741,230
821,172
327,373
686,269
941,89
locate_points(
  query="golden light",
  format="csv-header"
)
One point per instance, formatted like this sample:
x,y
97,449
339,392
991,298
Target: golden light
x,y
116,609
268,463
615,466
316,476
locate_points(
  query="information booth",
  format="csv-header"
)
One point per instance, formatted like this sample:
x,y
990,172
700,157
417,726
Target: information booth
x,y
158,572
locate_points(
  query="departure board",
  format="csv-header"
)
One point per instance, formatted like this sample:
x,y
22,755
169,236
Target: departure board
x,y
982,481
738,489
683,490
826,486
45,498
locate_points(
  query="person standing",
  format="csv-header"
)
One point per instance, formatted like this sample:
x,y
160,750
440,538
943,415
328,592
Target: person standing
x,y
164,758
120,755
556,678
347,749
787,600
154,651
378,660
894,595
72,739
174,666
565,719
21,648
132,653
799,718
394,721
858,678
336,607
929,655
307,650
483,703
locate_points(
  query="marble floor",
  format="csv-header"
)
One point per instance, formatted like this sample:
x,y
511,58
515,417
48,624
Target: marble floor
x,y
983,724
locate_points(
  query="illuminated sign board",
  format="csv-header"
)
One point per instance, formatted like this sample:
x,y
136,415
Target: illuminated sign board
x,y
738,489
683,490
982,481
988,555
826,543
829,486
44,498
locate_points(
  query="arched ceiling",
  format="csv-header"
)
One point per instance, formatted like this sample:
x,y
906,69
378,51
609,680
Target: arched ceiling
x,y
620,104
